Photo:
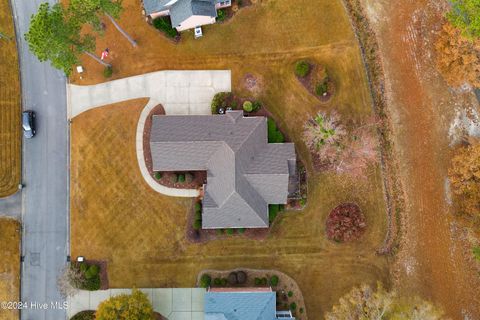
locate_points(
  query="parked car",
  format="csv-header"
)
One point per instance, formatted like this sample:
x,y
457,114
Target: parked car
x,y
28,123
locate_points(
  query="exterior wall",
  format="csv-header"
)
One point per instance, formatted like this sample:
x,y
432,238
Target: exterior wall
x,y
195,21
160,14
225,4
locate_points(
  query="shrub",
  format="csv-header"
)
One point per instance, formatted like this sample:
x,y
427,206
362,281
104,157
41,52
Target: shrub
x,y
241,277
84,315
217,281
219,231
158,175
241,230
290,294
223,282
219,100
198,216
321,88
173,178
248,106
92,284
230,231
188,177
258,281
198,207
107,72
234,105
257,105
180,178
240,3
301,310
302,68
263,281
221,15
274,281
293,306
164,24
92,271
274,135
126,306
83,267
197,224
273,210
476,253
205,281
232,278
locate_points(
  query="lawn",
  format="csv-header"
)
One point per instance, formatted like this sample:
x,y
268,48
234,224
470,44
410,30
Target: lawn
x,y
9,265
115,216
10,102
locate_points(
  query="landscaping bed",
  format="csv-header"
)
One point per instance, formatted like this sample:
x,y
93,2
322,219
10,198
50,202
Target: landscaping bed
x,y
225,14
196,234
345,223
289,295
89,275
316,79
164,25
179,180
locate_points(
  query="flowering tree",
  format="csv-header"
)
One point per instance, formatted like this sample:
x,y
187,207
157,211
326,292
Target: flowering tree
x,y
126,307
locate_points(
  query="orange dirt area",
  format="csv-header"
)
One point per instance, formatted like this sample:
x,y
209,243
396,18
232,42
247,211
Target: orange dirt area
x,y
432,260
9,267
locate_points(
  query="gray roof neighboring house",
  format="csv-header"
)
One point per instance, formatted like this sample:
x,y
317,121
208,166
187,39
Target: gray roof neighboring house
x,y
181,10
244,172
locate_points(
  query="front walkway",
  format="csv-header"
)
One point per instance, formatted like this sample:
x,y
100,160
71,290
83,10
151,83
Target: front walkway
x,y
179,92
173,303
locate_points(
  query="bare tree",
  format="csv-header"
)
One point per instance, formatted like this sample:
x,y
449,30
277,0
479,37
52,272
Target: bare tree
x,y
69,280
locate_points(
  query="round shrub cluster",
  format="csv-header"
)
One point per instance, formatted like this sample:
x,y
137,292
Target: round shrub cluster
x,y
302,68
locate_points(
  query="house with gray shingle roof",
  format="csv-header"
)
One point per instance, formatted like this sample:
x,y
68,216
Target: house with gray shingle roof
x,y
185,14
243,304
245,173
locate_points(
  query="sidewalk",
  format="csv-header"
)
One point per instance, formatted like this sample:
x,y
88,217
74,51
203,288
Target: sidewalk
x,y
173,303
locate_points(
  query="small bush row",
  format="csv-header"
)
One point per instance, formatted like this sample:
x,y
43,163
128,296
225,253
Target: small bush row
x,y
164,24
197,221
274,135
249,106
230,231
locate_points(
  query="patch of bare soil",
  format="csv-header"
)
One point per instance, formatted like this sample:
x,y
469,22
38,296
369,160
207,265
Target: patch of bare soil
x,y
432,260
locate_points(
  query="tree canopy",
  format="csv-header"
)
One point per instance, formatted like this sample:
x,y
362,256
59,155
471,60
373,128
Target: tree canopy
x,y
365,303
53,37
125,307
90,11
464,176
465,15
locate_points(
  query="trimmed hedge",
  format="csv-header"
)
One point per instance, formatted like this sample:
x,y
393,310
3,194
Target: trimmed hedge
x,y
274,135
164,24
205,281
302,68
84,315
197,224
273,210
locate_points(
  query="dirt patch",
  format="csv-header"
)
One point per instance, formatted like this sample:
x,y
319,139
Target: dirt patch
x,y
431,260
346,223
287,289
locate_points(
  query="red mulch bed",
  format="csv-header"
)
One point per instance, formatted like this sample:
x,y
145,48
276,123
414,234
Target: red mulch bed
x,y
311,80
168,178
346,223
234,8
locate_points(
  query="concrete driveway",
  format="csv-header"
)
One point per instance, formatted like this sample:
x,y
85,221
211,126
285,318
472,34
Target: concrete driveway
x,y
180,92
173,303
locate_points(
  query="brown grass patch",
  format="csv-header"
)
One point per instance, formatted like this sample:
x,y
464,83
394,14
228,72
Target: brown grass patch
x,y
9,265
10,102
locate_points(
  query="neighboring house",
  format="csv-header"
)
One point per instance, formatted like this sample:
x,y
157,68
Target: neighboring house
x,y
243,304
245,173
185,14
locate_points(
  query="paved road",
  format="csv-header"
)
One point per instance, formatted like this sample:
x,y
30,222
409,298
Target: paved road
x,y
45,175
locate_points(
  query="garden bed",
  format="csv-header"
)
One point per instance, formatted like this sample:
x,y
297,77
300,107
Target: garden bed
x,y
225,14
89,275
164,26
315,78
289,295
196,234
179,180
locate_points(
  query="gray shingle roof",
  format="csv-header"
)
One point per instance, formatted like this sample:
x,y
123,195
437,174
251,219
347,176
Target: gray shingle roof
x,y
244,172
181,10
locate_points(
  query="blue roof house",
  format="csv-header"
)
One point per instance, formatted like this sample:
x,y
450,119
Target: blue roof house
x,y
185,14
242,304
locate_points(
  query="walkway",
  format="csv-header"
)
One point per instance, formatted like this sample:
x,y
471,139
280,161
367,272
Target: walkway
x,y
179,92
11,206
175,304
